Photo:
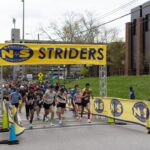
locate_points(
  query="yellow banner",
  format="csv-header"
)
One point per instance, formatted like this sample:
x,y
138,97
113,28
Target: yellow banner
x,y
33,54
134,111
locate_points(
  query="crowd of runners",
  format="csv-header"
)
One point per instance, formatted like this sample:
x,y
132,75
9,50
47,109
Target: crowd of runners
x,y
37,96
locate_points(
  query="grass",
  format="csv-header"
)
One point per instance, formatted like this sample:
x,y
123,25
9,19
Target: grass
x,y
118,86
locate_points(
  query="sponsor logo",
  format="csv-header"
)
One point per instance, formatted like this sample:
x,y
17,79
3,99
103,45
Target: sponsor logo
x,y
140,111
116,108
98,105
16,53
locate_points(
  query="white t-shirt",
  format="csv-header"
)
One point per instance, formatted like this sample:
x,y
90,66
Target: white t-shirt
x,y
49,96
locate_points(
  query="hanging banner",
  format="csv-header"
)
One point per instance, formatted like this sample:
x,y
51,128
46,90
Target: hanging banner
x,y
134,111
33,54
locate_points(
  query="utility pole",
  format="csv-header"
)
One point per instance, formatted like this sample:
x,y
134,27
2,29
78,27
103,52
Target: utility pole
x,y
23,21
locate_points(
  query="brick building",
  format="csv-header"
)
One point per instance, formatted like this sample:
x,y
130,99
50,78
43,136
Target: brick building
x,y
137,59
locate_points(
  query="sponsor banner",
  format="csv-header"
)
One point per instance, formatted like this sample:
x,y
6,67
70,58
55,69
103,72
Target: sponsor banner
x,y
134,111
33,54
16,120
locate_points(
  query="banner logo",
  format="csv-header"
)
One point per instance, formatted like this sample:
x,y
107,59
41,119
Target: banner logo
x,y
116,108
99,105
16,53
140,111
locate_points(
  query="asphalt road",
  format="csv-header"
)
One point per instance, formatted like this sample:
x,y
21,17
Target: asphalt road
x,y
88,137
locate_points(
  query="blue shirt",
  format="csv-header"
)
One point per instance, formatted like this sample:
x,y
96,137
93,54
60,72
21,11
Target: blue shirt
x,y
132,95
74,92
15,97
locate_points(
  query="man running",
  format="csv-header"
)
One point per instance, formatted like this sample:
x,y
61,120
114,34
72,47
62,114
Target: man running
x,y
87,93
15,97
49,102
30,102
38,102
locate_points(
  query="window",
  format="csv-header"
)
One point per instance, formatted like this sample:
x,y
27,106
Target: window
x,y
146,22
134,27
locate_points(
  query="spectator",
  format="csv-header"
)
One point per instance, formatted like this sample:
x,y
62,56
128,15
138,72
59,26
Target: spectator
x,y
131,94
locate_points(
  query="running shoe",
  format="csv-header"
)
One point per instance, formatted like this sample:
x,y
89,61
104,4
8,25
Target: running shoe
x,y
52,124
60,121
46,119
89,121
30,126
38,118
78,118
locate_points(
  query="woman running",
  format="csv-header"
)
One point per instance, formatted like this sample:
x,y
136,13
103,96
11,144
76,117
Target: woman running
x,y
61,103
49,102
77,100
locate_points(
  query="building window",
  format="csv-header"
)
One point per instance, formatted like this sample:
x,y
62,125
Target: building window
x,y
146,22
134,27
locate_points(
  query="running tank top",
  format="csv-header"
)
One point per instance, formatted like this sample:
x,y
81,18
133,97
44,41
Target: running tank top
x,y
61,98
50,97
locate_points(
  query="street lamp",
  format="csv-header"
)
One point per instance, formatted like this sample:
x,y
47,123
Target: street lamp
x,y
14,22
23,21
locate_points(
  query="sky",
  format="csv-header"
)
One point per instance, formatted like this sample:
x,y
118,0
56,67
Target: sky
x,y
42,12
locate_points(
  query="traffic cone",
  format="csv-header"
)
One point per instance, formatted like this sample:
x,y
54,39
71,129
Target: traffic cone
x,y
12,136
4,123
110,121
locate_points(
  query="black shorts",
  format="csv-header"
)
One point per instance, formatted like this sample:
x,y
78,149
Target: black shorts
x,y
31,107
85,102
38,104
61,105
79,104
16,105
47,106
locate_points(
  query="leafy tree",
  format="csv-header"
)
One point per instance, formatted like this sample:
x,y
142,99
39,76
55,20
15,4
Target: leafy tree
x,y
116,56
84,71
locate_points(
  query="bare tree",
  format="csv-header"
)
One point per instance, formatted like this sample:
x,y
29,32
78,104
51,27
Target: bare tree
x,y
77,28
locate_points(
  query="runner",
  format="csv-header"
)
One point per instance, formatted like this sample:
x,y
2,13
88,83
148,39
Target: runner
x,y
23,92
61,103
78,99
49,102
87,93
69,97
38,102
15,97
30,101
72,102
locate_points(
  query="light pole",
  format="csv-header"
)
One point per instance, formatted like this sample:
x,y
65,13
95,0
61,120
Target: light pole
x,y
14,22
64,75
23,26
58,74
23,21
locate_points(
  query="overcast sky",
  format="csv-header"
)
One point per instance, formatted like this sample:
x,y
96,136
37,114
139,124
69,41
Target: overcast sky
x,y
42,12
